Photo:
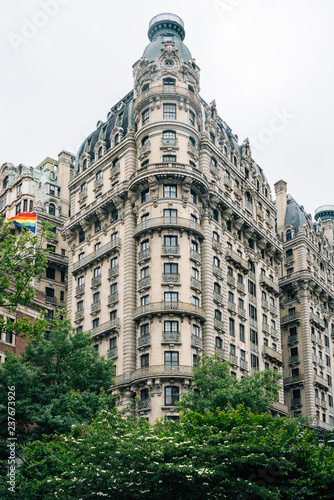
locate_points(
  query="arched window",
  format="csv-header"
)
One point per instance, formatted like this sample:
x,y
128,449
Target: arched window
x,y
235,161
100,152
52,209
169,85
225,150
288,235
5,182
84,164
116,139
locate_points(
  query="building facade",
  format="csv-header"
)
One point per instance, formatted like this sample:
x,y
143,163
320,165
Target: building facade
x,y
173,248
307,304
42,190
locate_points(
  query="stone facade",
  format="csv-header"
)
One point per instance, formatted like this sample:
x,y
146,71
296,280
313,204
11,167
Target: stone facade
x,y
307,304
42,190
173,249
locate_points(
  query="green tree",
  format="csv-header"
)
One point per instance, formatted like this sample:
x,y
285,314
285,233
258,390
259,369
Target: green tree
x,y
58,382
22,258
215,388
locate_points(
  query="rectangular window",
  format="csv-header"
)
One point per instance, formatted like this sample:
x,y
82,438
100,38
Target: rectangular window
x,y
145,196
49,292
195,301
171,358
144,272
195,273
50,273
19,190
170,191
170,241
144,245
97,226
242,333
144,301
219,343
113,288
196,330
231,327
171,395
170,213
169,158
80,305
171,296
254,337
112,342
82,236
62,296
170,268
18,209
169,112
254,362
52,189
62,276
192,118
193,197
97,272
144,329
81,280
96,297
25,205
144,360
145,116
171,326
114,262
96,322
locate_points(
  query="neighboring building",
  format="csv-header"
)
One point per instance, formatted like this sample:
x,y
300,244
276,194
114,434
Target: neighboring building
x,y
42,190
307,304
173,248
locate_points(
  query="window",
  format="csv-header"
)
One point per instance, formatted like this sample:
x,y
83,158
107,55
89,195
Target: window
x,y
192,141
213,162
49,292
114,263
252,288
18,209
97,272
240,279
193,197
171,296
62,296
146,86
217,288
231,297
25,205
288,235
144,360
170,241
171,326
231,327
195,360
170,213
169,158
96,297
145,196
5,182
50,273
215,236
115,163
97,246
216,262
218,315
80,305
145,300
242,333
145,272
169,85
254,337
252,312
219,343
192,118
212,138
254,362
195,301
171,358
215,215
18,190
52,189
100,152
144,395
144,329
145,116
171,395
97,226
82,236
230,271
194,246
169,112
116,140
96,322
144,245
195,273
228,226
169,135
232,349
81,280
170,268
170,191
113,288
196,330
289,252
264,319
51,248
145,217
241,303
289,271
193,218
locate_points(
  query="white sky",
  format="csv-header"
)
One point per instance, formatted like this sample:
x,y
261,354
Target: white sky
x,y
258,59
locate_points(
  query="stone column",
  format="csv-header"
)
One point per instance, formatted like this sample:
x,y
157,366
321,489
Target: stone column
x,y
307,349
207,287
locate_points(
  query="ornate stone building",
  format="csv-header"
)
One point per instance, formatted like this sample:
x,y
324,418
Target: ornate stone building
x,y
307,304
42,190
173,249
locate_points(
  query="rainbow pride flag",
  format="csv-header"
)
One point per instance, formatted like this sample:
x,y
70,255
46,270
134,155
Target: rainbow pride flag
x,y
25,220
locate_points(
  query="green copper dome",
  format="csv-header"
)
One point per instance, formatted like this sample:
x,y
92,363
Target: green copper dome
x,y
165,27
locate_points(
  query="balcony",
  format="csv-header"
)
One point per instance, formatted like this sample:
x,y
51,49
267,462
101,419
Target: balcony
x,y
82,195
231,281
254,347
163,307
323,404
104,328
252,299
252,275
219,325
321,381
51,300
144,148
233,359
98,183
217,272
102,252
253,323
290,318
196,341
272,354
249,206
273,310
79,315
242,313
95,307
293,359
238,192
96,281
218,298
159,223
265,305
315,359
214,171
112,352
317,320
114,171
144,254
228,182
192,149
295,379
57,258
144,282
144,340
173,250
265,328
231,306
144,404
296,402
243,365
174,337
112,298
196,283
168,143
269,284
274,333
237,260
158,371
113,272
79,290
241,288
171,278
217,246
195,256
322,363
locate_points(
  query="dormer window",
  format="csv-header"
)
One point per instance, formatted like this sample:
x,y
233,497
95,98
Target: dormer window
x,y
116,139
100,152
52,209
84,164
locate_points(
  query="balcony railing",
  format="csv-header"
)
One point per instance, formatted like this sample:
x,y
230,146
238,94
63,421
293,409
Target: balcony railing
x,y
112,298
252,275
253,323
237,260
219,325
156,371
318,321
265,328
144,254
218,298
296,402
144,282
144,340
242,313
171,250
171,337
271,353
144,404
292,339
145,147
109,248
265,305
231,306
168,142
233,359
98,183
96,281
195,255
293,359
217,271
269,284
161,307
171,278
274,333
52,300
196,283
96,306
249,206
254,347
104,328
196,341
231,281
114,171
113,272
252,299
241,288
79,290
82,194
169,222
216,246
295,379
273,310
112,352
79,315
243,364
321,381
290,318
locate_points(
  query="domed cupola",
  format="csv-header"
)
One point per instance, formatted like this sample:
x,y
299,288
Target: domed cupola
x,y
163,28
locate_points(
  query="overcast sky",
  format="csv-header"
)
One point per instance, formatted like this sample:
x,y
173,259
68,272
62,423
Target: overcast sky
x,y
267,63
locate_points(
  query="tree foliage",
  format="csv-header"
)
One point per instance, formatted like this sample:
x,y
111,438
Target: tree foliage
x,y
215,387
